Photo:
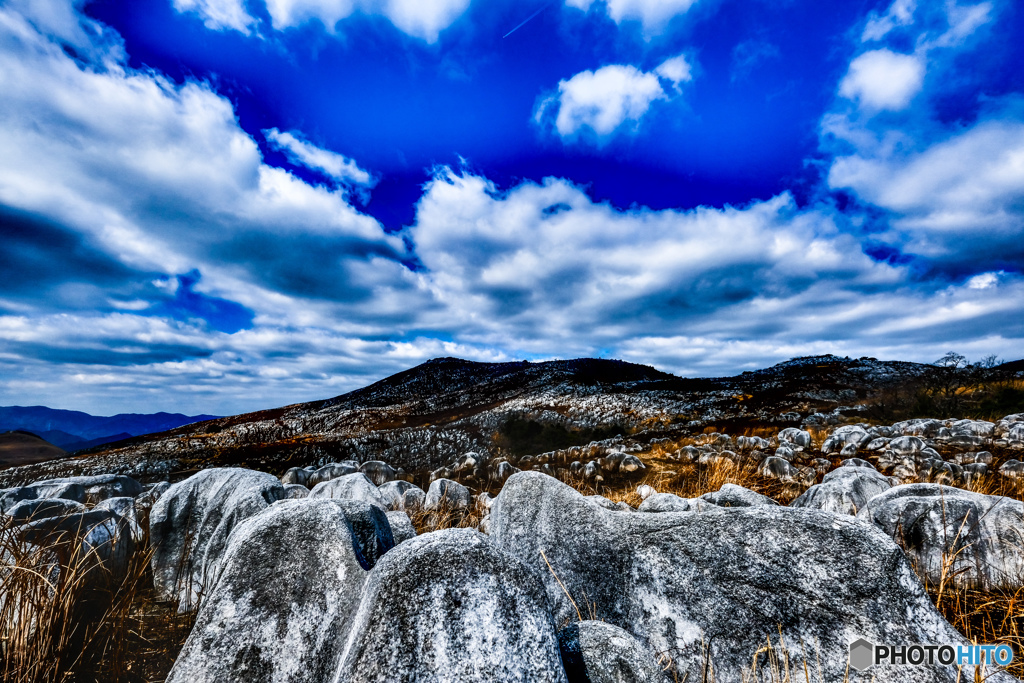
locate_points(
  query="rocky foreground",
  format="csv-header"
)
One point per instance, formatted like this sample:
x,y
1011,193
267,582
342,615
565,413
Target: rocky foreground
x,y
320,575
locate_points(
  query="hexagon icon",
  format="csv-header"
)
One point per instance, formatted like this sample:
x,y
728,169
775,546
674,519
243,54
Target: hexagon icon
x,y
862,654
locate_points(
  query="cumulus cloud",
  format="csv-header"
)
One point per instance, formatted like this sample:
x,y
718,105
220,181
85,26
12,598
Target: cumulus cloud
x,y
542,269
423,19
546,260
652,14
161,177
117,362
882,79
961,196
335,166
601,102
419,18
120,187
219,14
675,70
952,194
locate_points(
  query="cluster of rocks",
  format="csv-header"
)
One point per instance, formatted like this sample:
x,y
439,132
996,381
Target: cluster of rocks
x,y
951,535
591,463
948,452
320,575
85,526
785,458
562,588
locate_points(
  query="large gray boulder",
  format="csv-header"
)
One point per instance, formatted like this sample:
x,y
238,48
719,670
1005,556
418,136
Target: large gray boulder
x,y
736,496
449,606
907,445
401,526
844,490
125,507
189,527
95,546
952,535
11,497
356,486
713,587
847,435
1005,424
797,437
378,471
669,502
293,491
774,467
597,652
40,508
100,487
331,471
296,476
280,610
401,495
447,494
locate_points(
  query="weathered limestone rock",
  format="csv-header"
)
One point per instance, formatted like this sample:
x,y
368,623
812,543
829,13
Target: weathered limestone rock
x,y
714,585
280,610
449,606
972,539
189,527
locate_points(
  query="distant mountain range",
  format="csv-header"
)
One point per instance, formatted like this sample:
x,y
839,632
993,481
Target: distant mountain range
x,y
72,430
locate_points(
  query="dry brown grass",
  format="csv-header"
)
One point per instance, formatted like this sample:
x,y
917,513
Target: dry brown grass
x,y
72,624
689,480
446,517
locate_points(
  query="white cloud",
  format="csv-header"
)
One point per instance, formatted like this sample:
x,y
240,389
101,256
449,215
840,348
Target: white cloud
x,y
984,281
964,21
542,269
332,164
882,79
961,22
900,13
676,70
958,196
219,14
952,193
979,171
652,14
177,367
602,101
161,177
548,262
419,18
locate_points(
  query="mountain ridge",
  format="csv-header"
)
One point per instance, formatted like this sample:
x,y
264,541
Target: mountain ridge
x,y
73,430
425,416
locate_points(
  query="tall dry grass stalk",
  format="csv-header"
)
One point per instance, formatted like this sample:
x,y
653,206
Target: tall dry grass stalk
x,y
446,516
64,618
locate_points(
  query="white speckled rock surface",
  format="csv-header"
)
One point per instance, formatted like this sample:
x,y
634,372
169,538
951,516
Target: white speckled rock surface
x,y
189,527
285,598
449,607
728,578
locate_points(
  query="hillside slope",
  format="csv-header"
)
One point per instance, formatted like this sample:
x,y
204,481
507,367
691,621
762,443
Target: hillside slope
x,y
429,414
24,448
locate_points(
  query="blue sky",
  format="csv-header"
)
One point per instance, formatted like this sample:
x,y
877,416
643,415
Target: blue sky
x,y
223,205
